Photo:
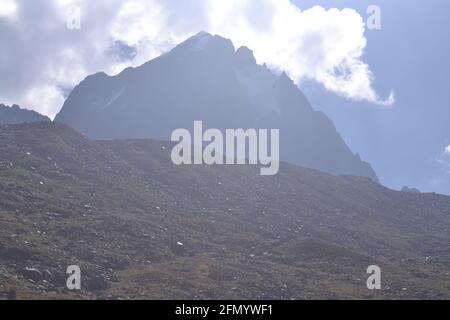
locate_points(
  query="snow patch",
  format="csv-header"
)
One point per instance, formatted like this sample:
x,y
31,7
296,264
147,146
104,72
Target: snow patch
x,y
113,99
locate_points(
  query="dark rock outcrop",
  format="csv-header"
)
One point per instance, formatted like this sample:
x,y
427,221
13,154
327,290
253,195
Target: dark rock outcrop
x,y
14,115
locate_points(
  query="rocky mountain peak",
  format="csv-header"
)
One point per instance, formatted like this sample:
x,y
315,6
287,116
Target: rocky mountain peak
x,y
245,57
204,78
15,114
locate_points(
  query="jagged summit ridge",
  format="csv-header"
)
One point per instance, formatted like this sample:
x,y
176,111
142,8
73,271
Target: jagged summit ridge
x,y
14,114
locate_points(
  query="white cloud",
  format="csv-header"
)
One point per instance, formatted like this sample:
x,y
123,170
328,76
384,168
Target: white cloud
x,y
8,8
43,57
316,44
47,97
443,159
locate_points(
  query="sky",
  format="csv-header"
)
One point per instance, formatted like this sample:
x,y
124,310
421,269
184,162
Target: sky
x,y
46,53
386,90
407,143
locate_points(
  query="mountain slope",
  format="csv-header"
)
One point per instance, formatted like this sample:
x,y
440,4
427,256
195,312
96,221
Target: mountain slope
x,y
140,227
14,115
204,78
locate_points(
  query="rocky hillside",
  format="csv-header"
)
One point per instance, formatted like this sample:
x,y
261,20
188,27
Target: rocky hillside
x,y
14,114
139,227
205,78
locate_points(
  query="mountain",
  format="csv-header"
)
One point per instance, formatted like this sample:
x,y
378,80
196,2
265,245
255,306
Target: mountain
x,y
14,115
410,190
205,78
140,227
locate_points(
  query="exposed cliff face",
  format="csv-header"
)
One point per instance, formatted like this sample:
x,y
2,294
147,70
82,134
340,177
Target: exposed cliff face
x,y
204,78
